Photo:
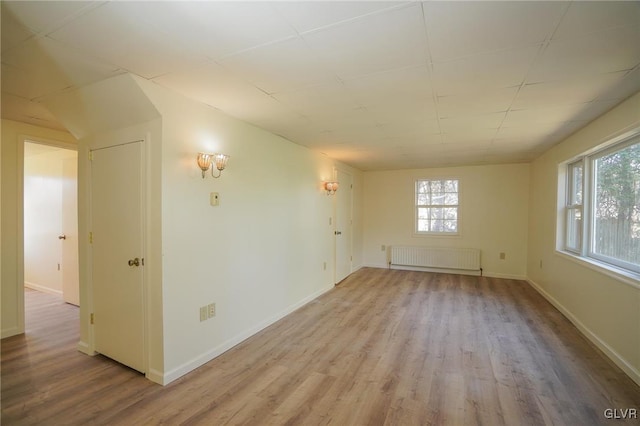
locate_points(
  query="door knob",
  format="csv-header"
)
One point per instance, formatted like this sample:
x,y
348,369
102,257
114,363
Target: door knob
x,y
134,262
338,232
62,237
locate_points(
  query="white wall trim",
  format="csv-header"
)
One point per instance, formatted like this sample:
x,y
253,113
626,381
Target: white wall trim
x,y
505,276
85,348
42,288
170,376
8,332
155,376
376,265
448,271
632,372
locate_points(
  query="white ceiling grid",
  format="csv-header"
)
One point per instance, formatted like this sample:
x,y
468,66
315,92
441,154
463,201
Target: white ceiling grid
x,y
379,85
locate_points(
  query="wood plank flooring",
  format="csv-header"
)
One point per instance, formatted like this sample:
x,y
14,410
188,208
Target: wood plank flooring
x,y
383,348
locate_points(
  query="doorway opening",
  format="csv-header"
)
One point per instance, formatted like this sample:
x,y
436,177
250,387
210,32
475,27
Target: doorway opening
x,y
50,217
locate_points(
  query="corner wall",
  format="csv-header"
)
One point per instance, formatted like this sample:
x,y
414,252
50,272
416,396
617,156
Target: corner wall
x,y
493,214
259,255
604,308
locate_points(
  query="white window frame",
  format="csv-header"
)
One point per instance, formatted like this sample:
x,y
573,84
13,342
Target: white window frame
x,y
571,206
585,251
418,206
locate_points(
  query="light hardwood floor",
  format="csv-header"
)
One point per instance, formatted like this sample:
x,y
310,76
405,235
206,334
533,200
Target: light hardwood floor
x,y
384,347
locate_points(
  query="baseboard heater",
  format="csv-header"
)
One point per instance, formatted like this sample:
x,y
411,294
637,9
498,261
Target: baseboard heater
x,y
460,259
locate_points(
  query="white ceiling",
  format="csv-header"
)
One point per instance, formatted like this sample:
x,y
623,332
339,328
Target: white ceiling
x,y
378,85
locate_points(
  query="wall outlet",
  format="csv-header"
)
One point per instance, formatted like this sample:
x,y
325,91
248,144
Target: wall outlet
x,y
211,310
503,256
203,314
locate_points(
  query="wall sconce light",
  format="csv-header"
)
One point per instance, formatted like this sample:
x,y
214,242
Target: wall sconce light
x,y
205,160
331,187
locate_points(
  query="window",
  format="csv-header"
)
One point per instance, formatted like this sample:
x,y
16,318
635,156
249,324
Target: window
x,y
437,206
573,239
602,209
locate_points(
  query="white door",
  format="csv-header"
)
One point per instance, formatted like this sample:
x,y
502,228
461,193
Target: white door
x,y
117,256
69,236
343,226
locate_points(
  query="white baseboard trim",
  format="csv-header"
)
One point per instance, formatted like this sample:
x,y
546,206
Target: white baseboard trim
x,y
629,369
84,348
8,332
170,376
447,271
505,276
42,288
155,376
376,265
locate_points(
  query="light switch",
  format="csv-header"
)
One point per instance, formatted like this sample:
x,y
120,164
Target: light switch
x,y
214,199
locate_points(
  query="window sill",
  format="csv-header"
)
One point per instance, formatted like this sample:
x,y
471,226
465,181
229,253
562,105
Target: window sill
x,y
436,234
619,274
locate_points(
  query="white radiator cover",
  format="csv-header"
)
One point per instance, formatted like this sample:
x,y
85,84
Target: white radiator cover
x,y
436,257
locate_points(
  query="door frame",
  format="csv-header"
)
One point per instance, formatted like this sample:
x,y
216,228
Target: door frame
x,y
337,170
88,347
22,139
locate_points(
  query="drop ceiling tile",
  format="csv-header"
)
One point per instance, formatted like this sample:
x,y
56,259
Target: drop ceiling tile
x,y
458,29
216,86
595,109
331,119
319,99
527,131
422,128
284,65
306,16
379,42
112,33
553,114
13,32
471,122
215,28
626,87
483,72
598,53
413,140
408,111
20,109
394,85
469,136
513,145
41,19
585,17
476,102
42,66
576,90
359,136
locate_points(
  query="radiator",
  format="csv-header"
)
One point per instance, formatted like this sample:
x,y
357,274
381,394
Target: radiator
x,y
431,257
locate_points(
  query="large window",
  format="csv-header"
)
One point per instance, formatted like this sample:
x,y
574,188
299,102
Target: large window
x,y
437,206
602,208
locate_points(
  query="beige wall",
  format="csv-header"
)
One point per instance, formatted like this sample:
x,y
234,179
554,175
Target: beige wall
x,y
260,253
257,256
13,135
493,214
605,308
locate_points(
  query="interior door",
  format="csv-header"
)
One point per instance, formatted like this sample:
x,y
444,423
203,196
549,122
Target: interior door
x,y
117,253
69,236
343,226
